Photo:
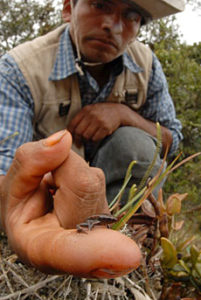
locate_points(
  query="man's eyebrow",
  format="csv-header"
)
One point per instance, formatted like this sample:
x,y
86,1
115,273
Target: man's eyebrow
x,y
132,5
129,2
108,1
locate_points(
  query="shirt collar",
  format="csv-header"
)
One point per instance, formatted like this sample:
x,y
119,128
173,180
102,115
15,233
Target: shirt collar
x,y
65,60
130,64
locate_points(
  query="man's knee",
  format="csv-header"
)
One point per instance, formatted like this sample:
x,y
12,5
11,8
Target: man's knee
x,y
125,145
134,144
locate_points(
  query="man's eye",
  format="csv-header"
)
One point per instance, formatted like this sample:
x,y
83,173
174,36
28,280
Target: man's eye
x,y
132,16
101,6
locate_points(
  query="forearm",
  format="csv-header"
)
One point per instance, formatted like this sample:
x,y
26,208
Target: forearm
x,y
17,111
129,117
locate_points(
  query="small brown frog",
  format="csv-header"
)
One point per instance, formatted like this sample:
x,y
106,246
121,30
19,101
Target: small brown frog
x,y
96,220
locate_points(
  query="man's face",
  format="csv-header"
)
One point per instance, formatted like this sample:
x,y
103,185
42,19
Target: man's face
x,y
104,28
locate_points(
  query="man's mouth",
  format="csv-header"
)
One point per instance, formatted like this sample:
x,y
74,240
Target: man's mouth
x,y
104,41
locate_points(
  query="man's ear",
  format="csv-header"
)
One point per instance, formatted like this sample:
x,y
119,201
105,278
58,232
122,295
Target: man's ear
x,y
66,13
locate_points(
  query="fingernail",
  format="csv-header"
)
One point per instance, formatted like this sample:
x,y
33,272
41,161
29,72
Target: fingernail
x,y
54,138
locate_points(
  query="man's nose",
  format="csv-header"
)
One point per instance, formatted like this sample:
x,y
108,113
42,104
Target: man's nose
x,y
113,23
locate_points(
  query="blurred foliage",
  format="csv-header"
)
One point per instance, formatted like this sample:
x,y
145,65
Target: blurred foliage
x,y
182,67
23,20
196,4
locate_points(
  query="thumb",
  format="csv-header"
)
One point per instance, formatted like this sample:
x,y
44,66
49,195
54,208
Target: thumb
x,y
33,160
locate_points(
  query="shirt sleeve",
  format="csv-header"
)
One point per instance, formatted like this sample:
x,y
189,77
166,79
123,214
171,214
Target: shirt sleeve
x,y
16,111
159,106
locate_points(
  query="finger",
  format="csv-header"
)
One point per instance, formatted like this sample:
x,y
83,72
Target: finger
x,y
90,131
48,180
100,134
81,127
80,193
101,252
77,140
33,160
35,207
75,121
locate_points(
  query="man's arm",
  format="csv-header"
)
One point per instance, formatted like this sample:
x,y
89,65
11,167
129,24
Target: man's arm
x,y
132,118
16,109
96,121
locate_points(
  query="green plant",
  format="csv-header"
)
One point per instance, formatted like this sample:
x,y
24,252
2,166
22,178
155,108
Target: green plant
x,y
9,137
181,259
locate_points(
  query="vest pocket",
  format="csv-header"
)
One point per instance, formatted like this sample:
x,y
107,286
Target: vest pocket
x,y
53,116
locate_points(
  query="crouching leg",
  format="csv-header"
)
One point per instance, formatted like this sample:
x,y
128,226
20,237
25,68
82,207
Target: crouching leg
x,y
118,150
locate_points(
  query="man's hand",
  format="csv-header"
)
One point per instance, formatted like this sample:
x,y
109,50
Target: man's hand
x,y
34,222
95,122
80,189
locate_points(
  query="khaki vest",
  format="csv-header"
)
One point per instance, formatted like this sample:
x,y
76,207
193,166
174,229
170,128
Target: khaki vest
x,y
36,60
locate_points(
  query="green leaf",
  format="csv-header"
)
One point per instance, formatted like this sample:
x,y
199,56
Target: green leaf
x,y
173,205
169,253
186,268
127,178
194,251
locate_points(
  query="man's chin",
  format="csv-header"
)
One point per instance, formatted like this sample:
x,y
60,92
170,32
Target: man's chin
x,y
99,59
99,56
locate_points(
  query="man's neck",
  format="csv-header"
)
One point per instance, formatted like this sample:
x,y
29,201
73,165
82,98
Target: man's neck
x,y
100,73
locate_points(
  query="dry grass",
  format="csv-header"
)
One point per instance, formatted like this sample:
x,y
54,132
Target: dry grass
x,y
18,281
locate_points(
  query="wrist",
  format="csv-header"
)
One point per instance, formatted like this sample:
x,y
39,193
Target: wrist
x,y
123,113
128,117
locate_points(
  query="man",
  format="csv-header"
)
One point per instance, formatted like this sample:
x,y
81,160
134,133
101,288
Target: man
x,y
93,78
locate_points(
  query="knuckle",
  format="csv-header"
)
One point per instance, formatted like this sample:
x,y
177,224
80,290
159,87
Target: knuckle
x,y
27,156
86,135
93,181
99,175
95,138
20,155
106,129
78,132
